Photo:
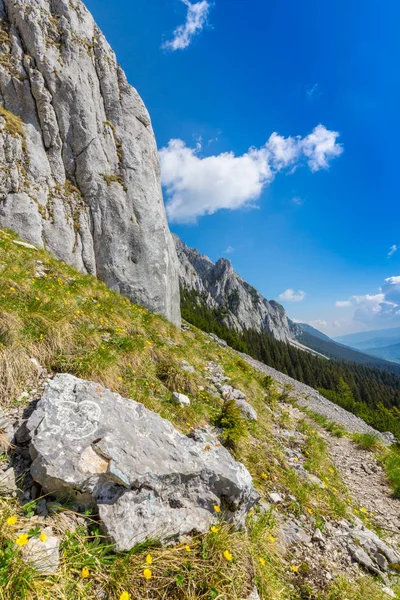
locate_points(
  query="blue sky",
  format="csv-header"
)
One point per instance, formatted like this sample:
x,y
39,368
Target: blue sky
x,y
316,215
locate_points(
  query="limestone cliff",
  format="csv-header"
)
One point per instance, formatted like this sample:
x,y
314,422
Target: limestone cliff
x,y
79,170
221,287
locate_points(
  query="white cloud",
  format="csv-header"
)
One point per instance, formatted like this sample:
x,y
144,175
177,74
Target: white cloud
x,y
229,250
195,21
319,324
297,200
392,250
382,308
196,186
320,147
343,303
292,296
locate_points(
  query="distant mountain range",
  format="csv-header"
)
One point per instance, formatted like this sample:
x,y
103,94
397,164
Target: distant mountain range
x,y
381,343
241,307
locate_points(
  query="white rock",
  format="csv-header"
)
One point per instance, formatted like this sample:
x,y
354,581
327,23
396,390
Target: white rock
x,y
275,498
24,244
180,399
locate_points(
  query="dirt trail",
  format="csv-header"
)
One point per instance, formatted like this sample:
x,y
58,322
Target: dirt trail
x,y
367,483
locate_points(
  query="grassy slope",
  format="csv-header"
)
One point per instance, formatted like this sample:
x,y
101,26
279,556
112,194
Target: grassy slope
x,y
73,323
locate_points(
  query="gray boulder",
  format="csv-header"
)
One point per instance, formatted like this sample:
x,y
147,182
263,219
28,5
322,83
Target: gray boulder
x,y
380,553
79,168
146,479
247,410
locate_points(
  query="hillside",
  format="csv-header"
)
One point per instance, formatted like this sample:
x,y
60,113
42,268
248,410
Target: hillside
x,y
302,536
331,349
373,394
391,353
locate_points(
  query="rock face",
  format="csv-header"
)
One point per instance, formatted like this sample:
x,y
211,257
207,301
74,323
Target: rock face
x,y
221,287
146,479
79,170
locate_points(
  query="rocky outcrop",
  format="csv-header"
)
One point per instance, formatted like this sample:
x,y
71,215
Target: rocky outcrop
x,y
220,287
79,170
146,479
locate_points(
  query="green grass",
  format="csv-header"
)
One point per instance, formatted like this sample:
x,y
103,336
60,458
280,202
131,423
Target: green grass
x,y
368,441
333,428
72,323
391,462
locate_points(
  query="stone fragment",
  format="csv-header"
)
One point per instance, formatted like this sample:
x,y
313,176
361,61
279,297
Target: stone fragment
x,y
180,399
254,594
292,533
275,498
8,483
188,368
146,479
43,555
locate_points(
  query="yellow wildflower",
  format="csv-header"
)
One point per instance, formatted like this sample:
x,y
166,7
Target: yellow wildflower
x,y
262,560
227,555
125,596
149,559
12,520
214,529
264,476
188,549
22,539
147,574
294,568
217,508
85,573
43,537
271,539
310,511
364,510
331,470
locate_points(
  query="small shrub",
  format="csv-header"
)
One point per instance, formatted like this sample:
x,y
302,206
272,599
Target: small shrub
x,y
267,382
243,366
367,441
174,378
232,422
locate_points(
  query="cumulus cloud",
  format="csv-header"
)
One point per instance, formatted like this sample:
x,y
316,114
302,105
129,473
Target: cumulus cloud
x,y
319,324
195,21
381,308
196,185
292,296
343,303
392,250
